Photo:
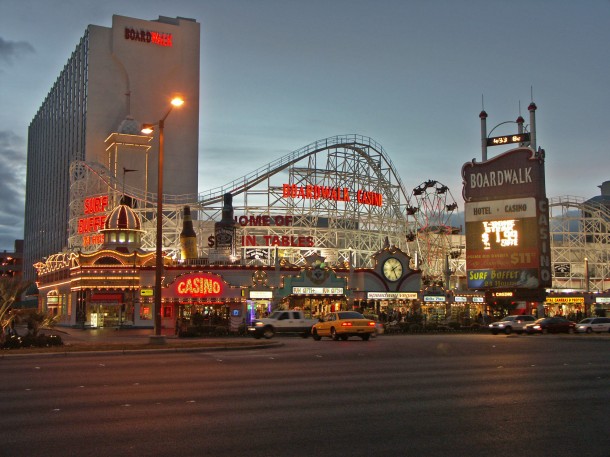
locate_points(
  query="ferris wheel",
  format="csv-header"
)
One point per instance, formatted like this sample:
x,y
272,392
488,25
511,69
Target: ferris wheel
x,y
429,230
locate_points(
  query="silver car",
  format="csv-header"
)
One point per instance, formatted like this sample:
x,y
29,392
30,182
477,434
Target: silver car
x,y
593,324
511,324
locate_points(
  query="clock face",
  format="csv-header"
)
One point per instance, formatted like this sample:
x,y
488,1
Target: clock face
x,y
392,269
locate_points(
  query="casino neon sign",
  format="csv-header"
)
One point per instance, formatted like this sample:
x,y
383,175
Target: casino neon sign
x,y
340,194
199,285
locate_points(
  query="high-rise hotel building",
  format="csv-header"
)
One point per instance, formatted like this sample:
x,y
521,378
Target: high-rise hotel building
x,y
116,79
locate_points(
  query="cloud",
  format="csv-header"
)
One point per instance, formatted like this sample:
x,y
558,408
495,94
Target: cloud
x,y
13,50
12,188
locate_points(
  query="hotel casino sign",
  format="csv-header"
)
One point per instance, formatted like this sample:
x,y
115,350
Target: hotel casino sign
x,y
507,222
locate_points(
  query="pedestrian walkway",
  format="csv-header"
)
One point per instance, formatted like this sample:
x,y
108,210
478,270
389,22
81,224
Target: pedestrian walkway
x,y
123,340
113,335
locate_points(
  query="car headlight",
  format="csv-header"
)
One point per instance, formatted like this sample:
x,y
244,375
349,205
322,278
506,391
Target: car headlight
x,y
258,324
501,325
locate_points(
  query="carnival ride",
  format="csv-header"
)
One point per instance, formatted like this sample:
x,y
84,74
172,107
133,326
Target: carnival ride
x,y
433,240
340,197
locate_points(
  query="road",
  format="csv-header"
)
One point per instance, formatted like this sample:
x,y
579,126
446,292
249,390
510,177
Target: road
x,y
398,395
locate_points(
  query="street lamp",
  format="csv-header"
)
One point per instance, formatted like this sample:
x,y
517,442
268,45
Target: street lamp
x,y
148,129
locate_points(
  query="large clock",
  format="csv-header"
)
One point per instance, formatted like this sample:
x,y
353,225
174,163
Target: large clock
x,y
392,269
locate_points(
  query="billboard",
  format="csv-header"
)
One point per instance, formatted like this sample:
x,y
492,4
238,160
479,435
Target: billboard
x,y
507,222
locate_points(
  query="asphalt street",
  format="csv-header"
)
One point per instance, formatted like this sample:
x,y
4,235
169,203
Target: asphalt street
x,y
398,395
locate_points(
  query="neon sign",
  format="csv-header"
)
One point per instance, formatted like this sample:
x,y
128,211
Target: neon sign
x,y
89,226
263,221
341,194
271,240
144,36
199,285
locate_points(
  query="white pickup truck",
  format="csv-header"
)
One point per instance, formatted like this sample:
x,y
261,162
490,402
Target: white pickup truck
x,y
285,321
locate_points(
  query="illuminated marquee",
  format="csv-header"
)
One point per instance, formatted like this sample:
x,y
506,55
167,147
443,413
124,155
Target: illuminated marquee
x,y
565,300
392,295
144,36
341,194
507,222
198,285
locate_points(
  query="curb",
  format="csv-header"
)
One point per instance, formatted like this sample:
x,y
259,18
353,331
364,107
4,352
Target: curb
x,y
144,351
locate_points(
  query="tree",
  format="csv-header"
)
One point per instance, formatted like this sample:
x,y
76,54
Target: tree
x,y
11,290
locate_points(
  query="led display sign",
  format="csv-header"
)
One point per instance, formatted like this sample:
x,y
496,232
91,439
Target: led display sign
x,y
508,139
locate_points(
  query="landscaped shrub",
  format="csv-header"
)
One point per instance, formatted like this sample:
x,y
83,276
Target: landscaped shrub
x,y
27,341
48,340
12,342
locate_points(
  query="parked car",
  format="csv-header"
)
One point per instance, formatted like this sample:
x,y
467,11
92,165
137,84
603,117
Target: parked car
x,y
555,324
282,321
510,324
342,325
593,324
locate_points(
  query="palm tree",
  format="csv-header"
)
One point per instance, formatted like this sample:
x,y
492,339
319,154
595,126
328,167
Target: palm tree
x,y
11,290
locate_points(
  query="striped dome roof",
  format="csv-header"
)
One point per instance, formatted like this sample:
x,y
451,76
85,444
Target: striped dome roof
x,y
122,218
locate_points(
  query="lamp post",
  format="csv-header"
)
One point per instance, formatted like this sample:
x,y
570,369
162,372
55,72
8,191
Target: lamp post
x,y
149,128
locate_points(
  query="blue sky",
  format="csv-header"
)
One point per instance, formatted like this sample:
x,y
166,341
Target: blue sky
x,y
413,75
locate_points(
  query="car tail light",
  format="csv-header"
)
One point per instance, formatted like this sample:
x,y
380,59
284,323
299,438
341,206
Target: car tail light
x,y
371,324
346,324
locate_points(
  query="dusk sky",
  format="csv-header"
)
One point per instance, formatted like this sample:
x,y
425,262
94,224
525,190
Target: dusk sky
x,y
413,75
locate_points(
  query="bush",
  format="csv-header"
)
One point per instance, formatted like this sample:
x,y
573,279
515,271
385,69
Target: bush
x,y
28,341
12,342
48,340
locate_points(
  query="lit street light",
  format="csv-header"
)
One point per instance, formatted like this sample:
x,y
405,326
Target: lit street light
x,y
148,129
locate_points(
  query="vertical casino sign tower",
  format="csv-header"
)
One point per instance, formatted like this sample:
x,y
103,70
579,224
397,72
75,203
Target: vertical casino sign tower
x,y
507,220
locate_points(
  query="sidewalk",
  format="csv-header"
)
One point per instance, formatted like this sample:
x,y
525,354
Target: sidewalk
x,y
113,335
130,340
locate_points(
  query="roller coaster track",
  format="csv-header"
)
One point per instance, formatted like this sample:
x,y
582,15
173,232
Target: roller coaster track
x,y
357,143
350,160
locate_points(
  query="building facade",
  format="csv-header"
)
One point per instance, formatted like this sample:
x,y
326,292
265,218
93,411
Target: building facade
x,y
117,78
11,263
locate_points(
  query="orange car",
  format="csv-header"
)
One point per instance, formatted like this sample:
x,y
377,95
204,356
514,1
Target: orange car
x,y
342,325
